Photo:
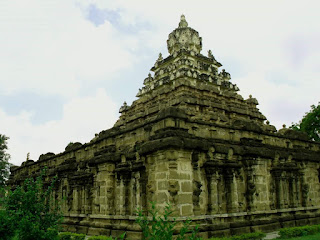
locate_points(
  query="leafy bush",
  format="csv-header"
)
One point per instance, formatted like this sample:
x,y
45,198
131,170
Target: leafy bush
x,y
247,236
32,211
100,238
65,236
106,238
162,227
77,236
71,236
7,227
299,231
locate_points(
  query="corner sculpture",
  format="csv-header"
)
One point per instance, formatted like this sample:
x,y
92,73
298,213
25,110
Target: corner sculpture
x,y
189,139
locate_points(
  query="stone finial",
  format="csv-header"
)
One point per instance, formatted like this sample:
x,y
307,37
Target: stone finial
x,y
284,126
183,23
210,55
124,107
160,58
28,156
184,38
252,100
267,122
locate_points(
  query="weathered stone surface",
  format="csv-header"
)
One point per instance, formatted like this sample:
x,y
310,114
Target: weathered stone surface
x,y
189,139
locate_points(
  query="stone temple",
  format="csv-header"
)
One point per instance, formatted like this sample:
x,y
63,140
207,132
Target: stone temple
x,y
191,140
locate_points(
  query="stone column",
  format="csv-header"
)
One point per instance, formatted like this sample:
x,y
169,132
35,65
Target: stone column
x,y
281,192
231,190
75,200
122,197
213,193
285,190
291,192
298,189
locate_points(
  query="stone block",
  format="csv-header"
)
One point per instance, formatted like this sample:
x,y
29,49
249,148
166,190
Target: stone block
x,y
239,231
185,198
161,197
186,210
220,233
133,235
185,176
163,185
314,221
98,231
162,167
287,224
266,227
186,186
302,222
174,175
82,229
185,166
161,175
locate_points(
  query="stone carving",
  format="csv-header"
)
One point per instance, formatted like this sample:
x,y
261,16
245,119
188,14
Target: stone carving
x,y
210,55
160,58
196,187
189,139
184,38
124,107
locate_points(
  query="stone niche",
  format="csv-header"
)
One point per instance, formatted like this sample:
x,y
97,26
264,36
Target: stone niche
x,y
192,141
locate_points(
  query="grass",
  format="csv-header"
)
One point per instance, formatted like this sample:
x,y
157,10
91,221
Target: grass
x,y
310,237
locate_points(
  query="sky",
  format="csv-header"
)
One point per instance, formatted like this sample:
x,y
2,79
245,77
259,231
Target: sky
x,y
66,67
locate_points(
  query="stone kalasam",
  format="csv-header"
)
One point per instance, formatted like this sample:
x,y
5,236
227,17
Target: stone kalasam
x,y
189,139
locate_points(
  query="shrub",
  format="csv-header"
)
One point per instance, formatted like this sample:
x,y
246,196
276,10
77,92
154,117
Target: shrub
x,y
32,211
161,227
106,238
65,236
250,236
100,238
71,236
247,236
77,236
299,231
7,227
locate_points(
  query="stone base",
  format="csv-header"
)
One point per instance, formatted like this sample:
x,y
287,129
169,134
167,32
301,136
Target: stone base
x,y
209,226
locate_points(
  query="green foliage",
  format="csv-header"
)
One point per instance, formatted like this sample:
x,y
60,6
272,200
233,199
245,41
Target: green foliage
x,y
100,238
162,227
7,227
32,211
65,236
71,236
299,231
4,158
247,236
309,237
310,123
106,238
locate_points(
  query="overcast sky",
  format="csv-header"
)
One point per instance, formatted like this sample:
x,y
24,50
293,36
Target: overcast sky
x,y
67,66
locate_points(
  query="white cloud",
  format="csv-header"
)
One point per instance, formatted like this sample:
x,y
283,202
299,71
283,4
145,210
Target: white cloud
x,y
82,118
49,47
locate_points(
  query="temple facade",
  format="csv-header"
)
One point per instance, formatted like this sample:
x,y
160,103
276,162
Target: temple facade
x,y
192,141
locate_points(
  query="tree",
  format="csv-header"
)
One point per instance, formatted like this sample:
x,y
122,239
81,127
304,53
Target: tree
x,y
4,158
310,123
32,209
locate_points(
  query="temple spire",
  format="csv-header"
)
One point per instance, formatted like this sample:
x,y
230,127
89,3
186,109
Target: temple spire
x,y
183,23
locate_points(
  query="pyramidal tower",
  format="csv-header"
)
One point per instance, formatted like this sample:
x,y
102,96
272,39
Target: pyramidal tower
x,y
192,141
